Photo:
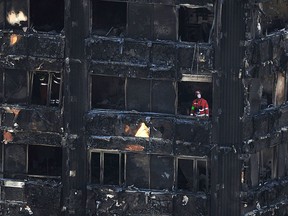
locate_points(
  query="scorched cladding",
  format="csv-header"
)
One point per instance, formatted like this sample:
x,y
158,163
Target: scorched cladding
x,y
96,97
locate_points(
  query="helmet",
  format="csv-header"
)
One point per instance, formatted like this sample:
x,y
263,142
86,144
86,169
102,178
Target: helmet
x,y
197,92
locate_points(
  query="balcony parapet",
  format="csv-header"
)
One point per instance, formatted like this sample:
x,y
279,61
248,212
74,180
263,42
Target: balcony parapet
x,y
148,132
127,57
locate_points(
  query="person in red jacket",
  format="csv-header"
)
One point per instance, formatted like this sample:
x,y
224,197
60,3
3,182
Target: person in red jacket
x,y
199,106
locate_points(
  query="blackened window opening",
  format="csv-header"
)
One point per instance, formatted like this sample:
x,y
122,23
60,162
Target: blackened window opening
x,y
95,167
107,168
202,179
108,92
111,169
47,15
195,24
193,175
156,95
186,95
185,178
109,18
44,160
46,88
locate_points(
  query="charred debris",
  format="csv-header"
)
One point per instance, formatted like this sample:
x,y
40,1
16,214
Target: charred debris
x,y
95,100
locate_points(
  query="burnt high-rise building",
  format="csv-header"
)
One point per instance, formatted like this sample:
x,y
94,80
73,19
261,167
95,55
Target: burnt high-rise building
x,y
96,98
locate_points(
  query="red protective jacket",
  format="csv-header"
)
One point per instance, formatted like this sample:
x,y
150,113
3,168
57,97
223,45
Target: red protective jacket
x,y
200,107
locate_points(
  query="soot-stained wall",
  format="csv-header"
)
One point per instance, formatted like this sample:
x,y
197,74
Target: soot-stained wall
x,y
109,85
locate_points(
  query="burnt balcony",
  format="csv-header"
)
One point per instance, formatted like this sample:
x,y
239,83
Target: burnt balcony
x,y
148,132
31,125
32,51
124,57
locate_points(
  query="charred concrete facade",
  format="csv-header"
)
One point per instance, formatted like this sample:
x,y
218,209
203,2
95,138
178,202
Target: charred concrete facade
x,y
95,102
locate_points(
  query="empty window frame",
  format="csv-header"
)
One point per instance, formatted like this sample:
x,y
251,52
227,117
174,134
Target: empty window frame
x,y
106,168
192,174
186,95
108,92
44,160
109,18
45,15
149,171
13,86
195,23
156,95
46,88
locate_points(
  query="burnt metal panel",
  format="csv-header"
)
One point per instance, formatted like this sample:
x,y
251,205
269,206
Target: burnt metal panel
x,y
36,137
185,55
120,129
52,44
260,124
275,139
15,159
40,119
148,59
14,62
119,143
265,50
129,202
110,49
119,69
162,128
45,64
254,85
247,127
159,146
128,124
43,197
199,131
195,205
101,124
165,22
283,119
16,86
14,44
163,55
273,120
136,52
195,58
140,20
195,143
32,44
13,194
